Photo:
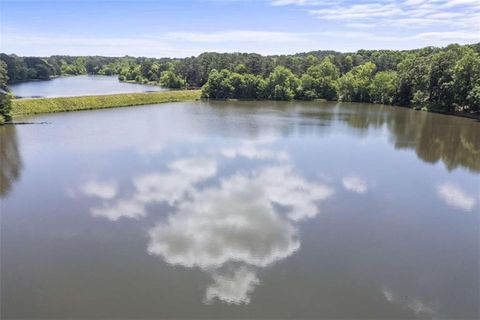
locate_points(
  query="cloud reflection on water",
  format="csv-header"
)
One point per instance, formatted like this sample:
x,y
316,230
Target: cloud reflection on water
x,y
233,288
103,190
247,220
236,221
415,305
355,184
152,188
454,196
244,221
232,224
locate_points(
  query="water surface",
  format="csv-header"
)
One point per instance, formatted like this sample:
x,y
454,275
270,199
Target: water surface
x,y
241,210
78,86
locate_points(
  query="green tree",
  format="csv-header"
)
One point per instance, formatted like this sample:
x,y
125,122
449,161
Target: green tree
x,y
466,77
169,79
354,86
254,87
218,85
307,89
414,76
324,76
282,84
473,98
441,87
240,68
5,95
384,87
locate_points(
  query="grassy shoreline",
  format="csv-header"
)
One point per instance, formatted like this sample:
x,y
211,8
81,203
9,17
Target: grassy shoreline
x,y
22,107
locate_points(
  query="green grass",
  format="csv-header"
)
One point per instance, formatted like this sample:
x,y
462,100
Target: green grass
x,y
45,105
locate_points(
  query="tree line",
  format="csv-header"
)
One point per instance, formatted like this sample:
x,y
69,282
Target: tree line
x,y
446,79
430,79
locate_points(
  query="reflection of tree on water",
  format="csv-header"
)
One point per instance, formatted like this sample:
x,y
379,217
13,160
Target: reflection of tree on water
x,y
453,140
10,162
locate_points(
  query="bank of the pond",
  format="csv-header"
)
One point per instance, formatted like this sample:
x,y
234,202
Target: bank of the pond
x,y
22,107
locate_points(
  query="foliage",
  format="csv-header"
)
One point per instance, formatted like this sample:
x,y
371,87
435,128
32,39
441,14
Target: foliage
x,y
354,86
321,80
5,95
218,85
169,79
384,87
231,85
282,84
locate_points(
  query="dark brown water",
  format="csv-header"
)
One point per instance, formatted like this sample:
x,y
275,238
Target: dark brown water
x,y
241,210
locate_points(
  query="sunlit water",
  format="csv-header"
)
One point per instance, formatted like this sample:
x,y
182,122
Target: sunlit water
x,y
241,210
78,86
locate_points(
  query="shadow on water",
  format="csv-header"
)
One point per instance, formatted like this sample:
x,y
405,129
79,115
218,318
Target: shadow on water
x,y
10,160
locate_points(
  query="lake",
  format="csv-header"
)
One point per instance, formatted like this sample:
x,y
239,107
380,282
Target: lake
x,y
241,210
78,86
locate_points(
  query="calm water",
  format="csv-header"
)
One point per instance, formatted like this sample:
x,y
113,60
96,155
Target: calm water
x,y
241,210
78,86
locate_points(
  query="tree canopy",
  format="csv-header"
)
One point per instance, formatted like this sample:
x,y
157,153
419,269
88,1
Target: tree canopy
x,y
446,79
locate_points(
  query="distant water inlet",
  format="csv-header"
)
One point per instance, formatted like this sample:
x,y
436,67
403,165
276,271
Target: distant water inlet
x,y
78,86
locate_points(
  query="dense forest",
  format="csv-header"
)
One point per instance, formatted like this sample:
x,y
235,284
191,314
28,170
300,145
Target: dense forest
x,y
444,79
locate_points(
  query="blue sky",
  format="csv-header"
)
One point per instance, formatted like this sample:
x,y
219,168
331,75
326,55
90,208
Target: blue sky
x,y
188,27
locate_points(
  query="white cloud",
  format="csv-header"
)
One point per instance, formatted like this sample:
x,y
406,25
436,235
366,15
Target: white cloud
x,y
251,151
440,21
238,36
120,209
355,184
450,36
103,190
195,168
110,46
234,288
157,187
360,25
238,220
279,3
284,187
358,11
235,222
456,197
248,220
415,305
172,186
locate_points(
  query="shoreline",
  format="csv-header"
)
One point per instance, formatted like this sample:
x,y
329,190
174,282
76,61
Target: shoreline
x,y
32,106
473,116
